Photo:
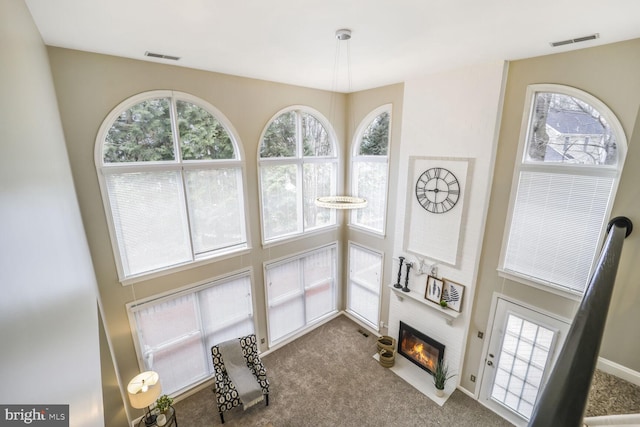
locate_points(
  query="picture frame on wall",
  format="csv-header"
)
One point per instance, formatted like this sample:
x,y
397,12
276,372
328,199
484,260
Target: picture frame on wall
x,y
453,293
433,292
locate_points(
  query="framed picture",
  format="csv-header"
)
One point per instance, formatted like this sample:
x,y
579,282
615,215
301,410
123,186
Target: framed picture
x,y
452,293
434,289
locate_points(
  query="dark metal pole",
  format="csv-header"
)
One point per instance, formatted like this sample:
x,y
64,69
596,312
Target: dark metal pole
x,y
564,398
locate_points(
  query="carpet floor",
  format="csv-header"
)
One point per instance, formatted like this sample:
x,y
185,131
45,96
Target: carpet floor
x,y
329,378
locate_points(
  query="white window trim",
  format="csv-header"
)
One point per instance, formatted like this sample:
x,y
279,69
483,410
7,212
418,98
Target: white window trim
x,y
299,161
376,252
185,290
102,170
288,258
522,164
355,145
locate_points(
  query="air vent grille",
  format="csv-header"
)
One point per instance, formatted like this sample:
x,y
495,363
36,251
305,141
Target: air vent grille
x,y
576,40
161,56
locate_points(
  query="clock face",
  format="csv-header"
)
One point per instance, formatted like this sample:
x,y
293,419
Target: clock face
x,y
437,190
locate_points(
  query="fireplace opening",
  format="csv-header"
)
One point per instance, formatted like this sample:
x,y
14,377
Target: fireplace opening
x,y
419,348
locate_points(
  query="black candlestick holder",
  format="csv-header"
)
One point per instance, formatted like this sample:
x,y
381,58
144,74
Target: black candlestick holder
x,y
406,279
398,285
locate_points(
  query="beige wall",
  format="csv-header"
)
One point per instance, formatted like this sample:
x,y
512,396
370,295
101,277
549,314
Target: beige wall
x,y
89,86
611,74
48,319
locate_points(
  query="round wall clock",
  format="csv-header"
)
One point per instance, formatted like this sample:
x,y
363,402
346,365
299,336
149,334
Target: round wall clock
x,y
437,190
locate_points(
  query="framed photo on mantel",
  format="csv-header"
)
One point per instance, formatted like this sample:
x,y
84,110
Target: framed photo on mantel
x,y
452,293
434,289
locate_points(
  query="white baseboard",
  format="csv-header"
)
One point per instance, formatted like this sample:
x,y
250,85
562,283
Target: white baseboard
x,y
467,392
619,371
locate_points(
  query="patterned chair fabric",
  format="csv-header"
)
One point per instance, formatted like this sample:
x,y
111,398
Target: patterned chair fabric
x,y
226,394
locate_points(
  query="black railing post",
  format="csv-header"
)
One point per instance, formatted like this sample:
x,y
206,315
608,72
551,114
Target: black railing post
x,y
564,398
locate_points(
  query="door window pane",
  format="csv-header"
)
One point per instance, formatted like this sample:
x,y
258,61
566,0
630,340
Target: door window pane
x,y
520,365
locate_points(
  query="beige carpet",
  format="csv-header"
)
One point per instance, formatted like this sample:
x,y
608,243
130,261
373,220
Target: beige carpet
x,y
610,395
328,378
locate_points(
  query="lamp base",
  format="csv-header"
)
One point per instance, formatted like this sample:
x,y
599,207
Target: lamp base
x,y
150,420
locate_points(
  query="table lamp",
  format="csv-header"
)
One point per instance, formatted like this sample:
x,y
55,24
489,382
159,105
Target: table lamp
x,y
143,390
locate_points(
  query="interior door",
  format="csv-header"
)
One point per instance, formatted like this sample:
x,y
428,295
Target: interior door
x,y
523,347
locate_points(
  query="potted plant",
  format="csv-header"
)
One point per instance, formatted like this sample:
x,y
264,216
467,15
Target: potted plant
x,y
440,377
162,405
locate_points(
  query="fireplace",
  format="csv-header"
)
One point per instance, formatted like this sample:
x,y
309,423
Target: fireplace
x,y
419,348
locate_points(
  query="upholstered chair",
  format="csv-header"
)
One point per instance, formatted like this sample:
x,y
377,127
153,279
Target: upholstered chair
x,y
225,391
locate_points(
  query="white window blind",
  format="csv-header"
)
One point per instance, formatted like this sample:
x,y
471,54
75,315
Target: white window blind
x,y
556,226
298,163
369,170
150,219
300,291
365,280
171,176
570,160
174,334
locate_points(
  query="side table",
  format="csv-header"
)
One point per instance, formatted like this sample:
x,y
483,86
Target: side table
x,y
172,420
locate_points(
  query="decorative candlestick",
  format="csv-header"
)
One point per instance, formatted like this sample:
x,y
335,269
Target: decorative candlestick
x,y
398,285
406,279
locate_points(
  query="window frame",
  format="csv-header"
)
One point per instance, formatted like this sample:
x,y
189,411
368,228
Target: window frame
x,y
522,165
298,257
191,289
355,157
299,160
351,280
103,169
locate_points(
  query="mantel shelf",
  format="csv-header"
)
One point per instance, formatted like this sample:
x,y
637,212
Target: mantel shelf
x,y
448,314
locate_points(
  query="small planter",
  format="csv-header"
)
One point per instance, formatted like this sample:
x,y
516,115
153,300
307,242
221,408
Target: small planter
x,y
386,342
439,392
387,358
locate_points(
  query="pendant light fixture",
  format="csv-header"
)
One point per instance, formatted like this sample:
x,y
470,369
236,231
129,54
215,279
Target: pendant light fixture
x,y
342,202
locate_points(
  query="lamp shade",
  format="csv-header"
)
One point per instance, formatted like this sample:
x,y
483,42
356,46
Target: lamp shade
x,y
144,389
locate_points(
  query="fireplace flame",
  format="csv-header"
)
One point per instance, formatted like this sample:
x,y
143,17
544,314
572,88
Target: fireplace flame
x,y
418,353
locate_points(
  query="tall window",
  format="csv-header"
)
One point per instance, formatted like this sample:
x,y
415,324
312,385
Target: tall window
x,y
370,168
298,163
174,334
365,281
301,290
571,155
172,182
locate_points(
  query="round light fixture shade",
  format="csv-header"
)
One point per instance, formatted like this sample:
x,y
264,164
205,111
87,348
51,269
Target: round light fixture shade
x,y
341,202
144,389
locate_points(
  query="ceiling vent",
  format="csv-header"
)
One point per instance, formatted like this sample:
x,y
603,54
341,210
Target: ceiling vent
x,y
576,40
161,56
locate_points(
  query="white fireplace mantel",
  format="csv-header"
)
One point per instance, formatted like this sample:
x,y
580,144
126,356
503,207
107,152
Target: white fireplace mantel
x,y
448,314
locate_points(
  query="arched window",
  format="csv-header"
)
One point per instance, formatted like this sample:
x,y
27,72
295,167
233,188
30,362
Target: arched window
x,y
370,170
570,159
298,162
171,176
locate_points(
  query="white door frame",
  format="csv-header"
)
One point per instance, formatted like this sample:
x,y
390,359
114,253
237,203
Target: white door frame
x,y
487,340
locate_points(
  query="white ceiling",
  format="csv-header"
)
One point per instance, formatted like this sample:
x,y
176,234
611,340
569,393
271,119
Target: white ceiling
x,y
292,41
